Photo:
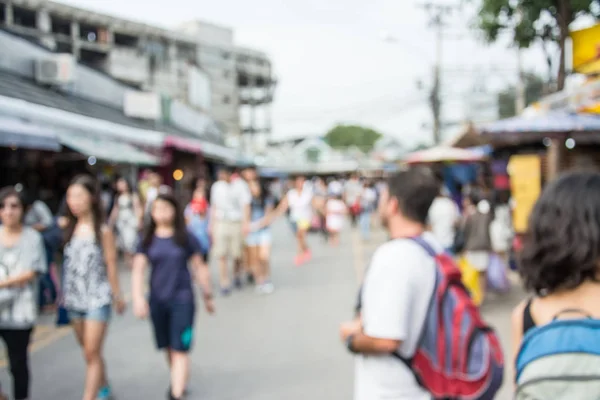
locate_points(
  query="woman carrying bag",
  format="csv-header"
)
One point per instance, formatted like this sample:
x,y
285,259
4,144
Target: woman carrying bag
x,y
22,260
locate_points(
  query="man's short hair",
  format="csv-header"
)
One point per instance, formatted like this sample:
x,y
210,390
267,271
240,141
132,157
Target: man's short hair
x,y
415,190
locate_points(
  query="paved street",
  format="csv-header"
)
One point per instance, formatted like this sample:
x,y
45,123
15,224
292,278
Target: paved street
x,y
283,346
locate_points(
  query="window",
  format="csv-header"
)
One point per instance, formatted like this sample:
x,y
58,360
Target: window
x,y
226,99
226,55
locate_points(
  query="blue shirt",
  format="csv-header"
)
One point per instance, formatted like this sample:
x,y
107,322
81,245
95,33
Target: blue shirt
x,y
258,209
198,226
170,278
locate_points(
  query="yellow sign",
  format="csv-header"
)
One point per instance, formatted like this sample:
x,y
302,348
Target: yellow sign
x,y
526,184
586,50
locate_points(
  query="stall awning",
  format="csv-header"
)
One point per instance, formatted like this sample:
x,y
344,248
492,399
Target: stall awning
x,y
198,146
443,154
21,134
553,122
107,149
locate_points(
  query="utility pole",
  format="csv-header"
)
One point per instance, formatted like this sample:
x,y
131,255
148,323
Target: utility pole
x,y
437,13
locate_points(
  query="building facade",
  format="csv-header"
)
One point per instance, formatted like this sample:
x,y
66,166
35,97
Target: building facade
x,y
197,64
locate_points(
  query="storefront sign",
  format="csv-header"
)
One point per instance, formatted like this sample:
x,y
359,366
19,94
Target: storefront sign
x,y
526,184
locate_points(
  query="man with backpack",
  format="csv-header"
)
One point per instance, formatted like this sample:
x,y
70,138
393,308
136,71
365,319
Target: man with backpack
x,y
405,346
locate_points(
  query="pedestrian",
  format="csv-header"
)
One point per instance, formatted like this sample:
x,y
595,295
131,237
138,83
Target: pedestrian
x,y
22,259
91,282
444,217
229,219
196,217
476,233
336,212
352,191
555,330
126,217
410,292
368,204
300,202
259,240
168,248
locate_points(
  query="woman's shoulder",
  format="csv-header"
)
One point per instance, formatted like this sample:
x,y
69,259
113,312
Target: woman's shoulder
x,y
31,234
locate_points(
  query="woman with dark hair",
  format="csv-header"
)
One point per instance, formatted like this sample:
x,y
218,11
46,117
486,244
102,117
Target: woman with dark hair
x,y
126,217
560,260
167,247
91,281
22,259
259,241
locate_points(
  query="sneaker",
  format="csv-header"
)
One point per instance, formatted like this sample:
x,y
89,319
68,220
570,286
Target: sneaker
x,y
267,288
105,393
298,260
225,291
237,282
307,256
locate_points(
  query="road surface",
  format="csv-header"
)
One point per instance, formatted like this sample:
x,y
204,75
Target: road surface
x,y
282,346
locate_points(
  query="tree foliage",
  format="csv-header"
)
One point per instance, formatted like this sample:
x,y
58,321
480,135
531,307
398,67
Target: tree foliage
x,y
534,90
534,20
344,136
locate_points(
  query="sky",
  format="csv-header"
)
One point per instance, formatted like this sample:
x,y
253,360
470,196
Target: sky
x,y
333,65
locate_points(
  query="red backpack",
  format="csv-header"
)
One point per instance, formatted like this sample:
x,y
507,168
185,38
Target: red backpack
x,y
458,356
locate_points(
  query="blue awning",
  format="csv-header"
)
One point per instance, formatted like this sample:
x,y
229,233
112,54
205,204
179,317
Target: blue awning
x,y
17,133
554,122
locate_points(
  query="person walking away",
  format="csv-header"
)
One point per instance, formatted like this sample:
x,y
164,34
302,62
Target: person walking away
x,y
241,183
368,204
196,217
300,202
230,211
126,217
168,248
259,239
336,212
401,310
352,190
443,218
39,217
478,244
91,281
321,198
555,332
501,231
22,260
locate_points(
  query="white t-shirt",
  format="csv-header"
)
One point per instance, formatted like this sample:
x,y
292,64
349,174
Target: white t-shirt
x,y
335,188
395,298
300,204
229,199
443,215
336,210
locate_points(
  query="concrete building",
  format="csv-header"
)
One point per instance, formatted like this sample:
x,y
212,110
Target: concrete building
x,y
197,64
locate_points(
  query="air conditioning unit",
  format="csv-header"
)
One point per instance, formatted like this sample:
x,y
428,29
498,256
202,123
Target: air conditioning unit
x,y
55,70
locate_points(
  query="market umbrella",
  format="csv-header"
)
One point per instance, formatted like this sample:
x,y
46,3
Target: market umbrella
x,y
443,154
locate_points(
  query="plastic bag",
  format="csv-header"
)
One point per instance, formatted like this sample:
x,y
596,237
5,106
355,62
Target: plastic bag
x,y
497,277
470,278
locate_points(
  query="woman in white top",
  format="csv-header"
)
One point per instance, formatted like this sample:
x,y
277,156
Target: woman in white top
x,y
300,201
336,214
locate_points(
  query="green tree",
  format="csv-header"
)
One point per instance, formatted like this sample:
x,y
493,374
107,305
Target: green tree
x,y
344,136
534,90
534,20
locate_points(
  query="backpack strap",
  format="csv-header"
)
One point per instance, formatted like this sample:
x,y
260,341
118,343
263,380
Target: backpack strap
x,y
426,246
572,311
409,361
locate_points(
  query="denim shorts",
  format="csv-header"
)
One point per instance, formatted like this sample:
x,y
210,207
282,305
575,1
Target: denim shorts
x,y
259,238
101,314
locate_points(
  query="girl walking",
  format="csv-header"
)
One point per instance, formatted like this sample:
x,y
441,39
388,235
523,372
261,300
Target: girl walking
x,y
168,248
22,259
126,216
336,214
259,241
91,283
